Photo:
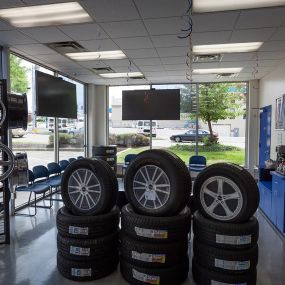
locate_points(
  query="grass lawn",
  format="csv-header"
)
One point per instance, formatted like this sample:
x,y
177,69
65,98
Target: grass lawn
x,y
235,156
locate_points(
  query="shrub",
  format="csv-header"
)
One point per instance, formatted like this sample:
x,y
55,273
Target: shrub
x,y
63,139
205,148
129,140
208,141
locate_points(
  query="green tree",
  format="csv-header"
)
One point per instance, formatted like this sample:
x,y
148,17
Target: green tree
x,y
18,75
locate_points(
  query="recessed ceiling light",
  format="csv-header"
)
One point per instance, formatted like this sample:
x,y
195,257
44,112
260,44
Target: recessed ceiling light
x,y
46,15
203,6
98,55
121,75
217,70
227,48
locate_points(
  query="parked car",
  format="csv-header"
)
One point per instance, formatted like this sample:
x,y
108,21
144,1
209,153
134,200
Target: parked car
x,y
74,131
18,133
190,136
143,127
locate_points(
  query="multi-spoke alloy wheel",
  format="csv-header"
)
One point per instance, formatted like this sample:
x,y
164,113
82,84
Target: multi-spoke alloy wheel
x,y
7,162
151,187
84,189
221,198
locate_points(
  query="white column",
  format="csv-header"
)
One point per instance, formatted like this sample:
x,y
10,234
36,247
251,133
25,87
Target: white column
x,y
98,122
252,125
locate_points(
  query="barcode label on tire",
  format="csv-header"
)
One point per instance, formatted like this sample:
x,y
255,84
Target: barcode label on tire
x,y
110,151
233,240
80,272
232,265
146,257
75,250
149,233
149,279
78,230
213,282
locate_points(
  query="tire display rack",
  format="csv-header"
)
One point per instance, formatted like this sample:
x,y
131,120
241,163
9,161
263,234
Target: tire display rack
x,y
4,191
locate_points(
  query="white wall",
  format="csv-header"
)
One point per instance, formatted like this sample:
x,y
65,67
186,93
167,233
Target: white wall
x,y
272,86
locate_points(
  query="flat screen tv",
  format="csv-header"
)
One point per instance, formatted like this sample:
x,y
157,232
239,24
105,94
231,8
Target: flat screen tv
x,y
151,104
55,97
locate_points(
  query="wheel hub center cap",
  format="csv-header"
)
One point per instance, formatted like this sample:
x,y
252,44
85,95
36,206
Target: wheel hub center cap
x,y
220,198
150,195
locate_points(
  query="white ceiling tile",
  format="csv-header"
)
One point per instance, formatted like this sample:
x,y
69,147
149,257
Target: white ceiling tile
x,y
39,2
169,41
10,3
152,68
141,53
175,66
14,38
258,18
84,31
117,62
125,29
273,46
174,60
5,26
279,35
77,71
99,45
134,43
35,49
206,65
125,69
214,21
177,72
165,26
252,35
172,51
162,8
228,64
208,38
243,56
92,64
147,61
269,62
271,55
46,34
111,10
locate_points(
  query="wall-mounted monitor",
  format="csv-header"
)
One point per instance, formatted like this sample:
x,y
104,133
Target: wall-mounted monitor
x,y
151,104
55,97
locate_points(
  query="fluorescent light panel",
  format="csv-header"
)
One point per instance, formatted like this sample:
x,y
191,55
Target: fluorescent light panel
x,y
227,48
217,70
121,75
46,15
98,55
204,6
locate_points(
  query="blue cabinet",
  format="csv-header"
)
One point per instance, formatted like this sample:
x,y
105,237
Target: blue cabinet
x,y
265,189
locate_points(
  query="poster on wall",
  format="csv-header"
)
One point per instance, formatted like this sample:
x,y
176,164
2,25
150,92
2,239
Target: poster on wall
x,y
280,113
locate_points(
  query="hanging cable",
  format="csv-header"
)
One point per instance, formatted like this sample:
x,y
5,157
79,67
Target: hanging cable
x,y
255,66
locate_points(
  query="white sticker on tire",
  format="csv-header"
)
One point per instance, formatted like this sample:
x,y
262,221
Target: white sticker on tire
x,y
149,279
233,240
82,251
80,272
146,257
213,282
78,231
149,233
110,151
232,265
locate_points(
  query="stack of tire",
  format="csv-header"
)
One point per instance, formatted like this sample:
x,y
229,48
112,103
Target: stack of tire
x,y
107,153
155,226
225,231
87,225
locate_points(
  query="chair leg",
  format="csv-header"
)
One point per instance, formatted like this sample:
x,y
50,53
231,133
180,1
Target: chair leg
x,y
29,206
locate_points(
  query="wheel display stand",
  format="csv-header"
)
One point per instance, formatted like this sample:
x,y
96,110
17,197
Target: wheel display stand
x,y
4,191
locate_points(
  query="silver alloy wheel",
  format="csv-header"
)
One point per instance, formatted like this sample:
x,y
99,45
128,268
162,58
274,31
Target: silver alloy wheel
x,y
2,113
7,165
84,189
221,198
151,187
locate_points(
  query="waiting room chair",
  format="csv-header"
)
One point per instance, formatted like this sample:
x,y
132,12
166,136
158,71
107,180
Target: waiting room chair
x,y
63,164
80,157
197,163
71,159
128,159
54,174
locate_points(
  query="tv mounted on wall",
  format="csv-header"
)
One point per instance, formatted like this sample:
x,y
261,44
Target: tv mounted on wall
x,y
151,104
55,97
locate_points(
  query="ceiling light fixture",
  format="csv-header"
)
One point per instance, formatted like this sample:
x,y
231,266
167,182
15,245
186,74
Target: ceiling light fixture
x,y
98,55
122,75
227,48
46,15
217,70
204,6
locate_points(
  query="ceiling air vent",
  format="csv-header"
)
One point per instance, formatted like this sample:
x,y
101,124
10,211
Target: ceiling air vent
x,y
227,75
106,69
205,58
137,77
66,47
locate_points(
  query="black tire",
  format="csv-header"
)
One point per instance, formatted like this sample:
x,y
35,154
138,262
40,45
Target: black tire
x,y
225,235
235,201
203,276
77,180
157,168
224,260
89,270
84,227
111,159
88,249
104,150
156,229
136,275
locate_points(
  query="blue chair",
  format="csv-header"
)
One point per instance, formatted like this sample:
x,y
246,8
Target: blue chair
x,y
71,159
197,163
63,164
80,157
36,188
128,159
54,174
